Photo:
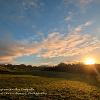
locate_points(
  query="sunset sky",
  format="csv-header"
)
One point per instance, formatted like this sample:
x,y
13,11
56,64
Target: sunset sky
x,y
49,31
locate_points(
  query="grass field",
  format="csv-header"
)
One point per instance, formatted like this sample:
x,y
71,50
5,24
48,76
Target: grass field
x,y
51,86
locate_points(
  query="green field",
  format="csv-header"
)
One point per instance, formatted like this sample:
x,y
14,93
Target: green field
x,y
51,86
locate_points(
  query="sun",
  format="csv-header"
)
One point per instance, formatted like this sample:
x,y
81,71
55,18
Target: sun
x,y
89,61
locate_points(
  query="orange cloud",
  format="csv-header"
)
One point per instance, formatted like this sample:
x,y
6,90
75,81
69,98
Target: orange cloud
x,y
68,45
55,45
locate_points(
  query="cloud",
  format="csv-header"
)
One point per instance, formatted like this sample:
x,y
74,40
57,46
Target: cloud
x,y
57,44
68,18
84,2
54,45
89,23
81,4
69,45
80,28
29,3
11,49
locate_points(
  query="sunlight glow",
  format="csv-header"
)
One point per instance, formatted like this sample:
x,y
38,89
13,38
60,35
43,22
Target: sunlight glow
x,y
89,61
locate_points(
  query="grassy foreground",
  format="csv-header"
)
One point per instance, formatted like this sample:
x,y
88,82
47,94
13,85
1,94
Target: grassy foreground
x,y
49,88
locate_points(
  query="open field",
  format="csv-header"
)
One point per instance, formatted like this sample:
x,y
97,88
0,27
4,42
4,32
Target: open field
x,y
53,85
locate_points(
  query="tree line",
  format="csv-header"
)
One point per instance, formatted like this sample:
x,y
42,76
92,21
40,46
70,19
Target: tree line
x,y
62,67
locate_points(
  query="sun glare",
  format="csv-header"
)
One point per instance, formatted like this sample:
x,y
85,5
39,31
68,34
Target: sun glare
x,y
89,61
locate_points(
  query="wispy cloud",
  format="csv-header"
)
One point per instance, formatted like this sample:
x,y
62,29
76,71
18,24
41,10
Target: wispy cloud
x,y
68,18
21,9
84,2
70,45
75,43
88,24
10,49
54,45
80,28
29,3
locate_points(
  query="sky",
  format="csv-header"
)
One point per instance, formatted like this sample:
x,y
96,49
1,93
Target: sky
x,y
41,32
